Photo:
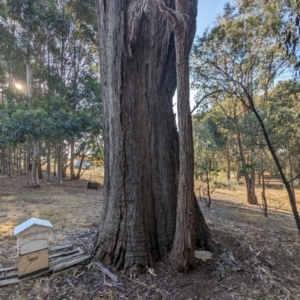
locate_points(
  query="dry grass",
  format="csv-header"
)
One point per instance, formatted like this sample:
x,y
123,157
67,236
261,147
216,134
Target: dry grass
x,y
277,198
69,207
266,248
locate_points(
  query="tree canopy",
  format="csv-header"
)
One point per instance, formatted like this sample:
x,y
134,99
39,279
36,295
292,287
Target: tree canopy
x,y
49,76
240,64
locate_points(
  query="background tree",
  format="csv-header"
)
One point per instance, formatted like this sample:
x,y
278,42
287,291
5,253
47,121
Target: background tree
x,y
53,44
243,59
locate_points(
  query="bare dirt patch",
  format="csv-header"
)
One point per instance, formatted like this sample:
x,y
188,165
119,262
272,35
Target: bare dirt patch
x,y
266,250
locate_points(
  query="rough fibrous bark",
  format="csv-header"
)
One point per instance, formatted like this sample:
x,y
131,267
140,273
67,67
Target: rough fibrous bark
x,y
183,22
138,77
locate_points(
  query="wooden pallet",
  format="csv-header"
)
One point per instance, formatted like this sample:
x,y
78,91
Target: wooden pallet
x,y
61,257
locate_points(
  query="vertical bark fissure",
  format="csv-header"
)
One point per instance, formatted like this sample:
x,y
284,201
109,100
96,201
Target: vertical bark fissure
x,y
183,20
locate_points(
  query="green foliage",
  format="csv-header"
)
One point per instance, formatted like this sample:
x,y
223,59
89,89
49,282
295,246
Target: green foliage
x,y
18,124
33,123
242,50
69,125
58,40
238,64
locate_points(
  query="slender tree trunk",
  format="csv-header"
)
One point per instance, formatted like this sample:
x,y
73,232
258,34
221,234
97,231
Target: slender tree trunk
x,y
28,164
29,103
18,159
228,171
2,167
39,168
238,174
19,153
55,163
40,172
15,160
263,193
59,163
82,157
252,176
48,170
34,172
72,171
9,164
9,161
29,83
62,88
4,161
250,184
207,180
24,159
290,168
64,170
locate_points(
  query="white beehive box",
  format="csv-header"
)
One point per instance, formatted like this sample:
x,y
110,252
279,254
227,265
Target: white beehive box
x,y
33,242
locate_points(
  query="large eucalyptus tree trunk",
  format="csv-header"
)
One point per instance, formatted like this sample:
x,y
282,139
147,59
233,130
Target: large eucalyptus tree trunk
x,y
141,141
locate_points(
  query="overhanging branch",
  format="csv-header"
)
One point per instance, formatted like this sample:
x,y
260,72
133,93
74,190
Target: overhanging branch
x,y
294,178
206,96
